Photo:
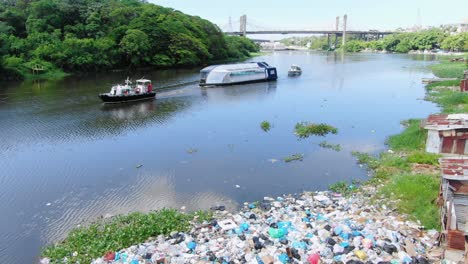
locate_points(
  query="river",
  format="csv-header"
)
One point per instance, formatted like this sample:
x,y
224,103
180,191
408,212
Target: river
x,y
67,159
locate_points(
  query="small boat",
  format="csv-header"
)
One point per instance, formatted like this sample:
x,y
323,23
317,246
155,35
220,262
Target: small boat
x,y
143,90
240,73
294,70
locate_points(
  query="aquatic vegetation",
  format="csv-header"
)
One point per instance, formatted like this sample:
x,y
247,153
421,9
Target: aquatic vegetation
x,y
325,144
265,125
293,157
305,129
192,150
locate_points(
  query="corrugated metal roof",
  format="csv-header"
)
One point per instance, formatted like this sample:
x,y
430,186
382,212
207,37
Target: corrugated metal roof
x,y
454,166
447,122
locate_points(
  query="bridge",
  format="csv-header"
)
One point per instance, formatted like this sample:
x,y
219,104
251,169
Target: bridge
x,y
337,31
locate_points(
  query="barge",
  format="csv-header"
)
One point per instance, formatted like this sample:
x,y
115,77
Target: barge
x,y
240,73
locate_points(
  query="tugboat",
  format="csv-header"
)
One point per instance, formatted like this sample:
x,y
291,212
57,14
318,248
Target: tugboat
x,y
295,70
143,90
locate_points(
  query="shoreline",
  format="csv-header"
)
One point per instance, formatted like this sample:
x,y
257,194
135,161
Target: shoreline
x,y
312,225
390,170
58,74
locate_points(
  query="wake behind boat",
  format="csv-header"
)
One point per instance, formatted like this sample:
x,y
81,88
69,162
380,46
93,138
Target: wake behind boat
x,y
143,90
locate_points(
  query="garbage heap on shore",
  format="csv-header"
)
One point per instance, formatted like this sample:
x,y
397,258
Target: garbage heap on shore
x,y
319,227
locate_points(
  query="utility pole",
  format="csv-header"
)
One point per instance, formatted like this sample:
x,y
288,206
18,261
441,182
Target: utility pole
x,y
345,18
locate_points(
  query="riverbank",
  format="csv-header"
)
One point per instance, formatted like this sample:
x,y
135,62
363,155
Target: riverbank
x,y
393,170
309,226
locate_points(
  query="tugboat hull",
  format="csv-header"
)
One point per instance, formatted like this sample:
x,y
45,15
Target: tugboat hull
x,y
114,99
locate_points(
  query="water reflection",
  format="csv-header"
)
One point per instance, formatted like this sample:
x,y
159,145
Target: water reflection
x,y
239,92
146,192
60,145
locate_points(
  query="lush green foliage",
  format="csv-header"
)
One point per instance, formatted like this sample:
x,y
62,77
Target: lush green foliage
x,y
412,138
85,35
457,42
120,232
399,42
265,126
293,157
355,46
423,157
305,129
416,195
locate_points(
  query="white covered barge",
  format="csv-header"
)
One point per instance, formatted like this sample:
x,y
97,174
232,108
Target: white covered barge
x,y
229,74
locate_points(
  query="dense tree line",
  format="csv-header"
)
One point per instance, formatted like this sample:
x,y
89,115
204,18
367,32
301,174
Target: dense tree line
x,y
400,42
89,35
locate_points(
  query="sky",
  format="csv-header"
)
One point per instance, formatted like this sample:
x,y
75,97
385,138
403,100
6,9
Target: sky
x,y
321,15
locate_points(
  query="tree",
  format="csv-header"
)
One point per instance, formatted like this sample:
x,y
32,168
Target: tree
x,y
457,42
135,45
186,50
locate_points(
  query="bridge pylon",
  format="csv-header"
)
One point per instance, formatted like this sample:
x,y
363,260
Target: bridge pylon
x,y
243,25
345,18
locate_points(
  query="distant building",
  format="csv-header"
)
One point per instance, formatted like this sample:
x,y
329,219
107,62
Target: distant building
x,y
447,134
455,28
273,45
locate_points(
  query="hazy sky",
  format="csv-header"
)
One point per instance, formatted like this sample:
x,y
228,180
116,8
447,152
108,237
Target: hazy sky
x,y
312,14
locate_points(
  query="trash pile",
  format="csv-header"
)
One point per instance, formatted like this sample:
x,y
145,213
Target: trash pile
x,y
319,227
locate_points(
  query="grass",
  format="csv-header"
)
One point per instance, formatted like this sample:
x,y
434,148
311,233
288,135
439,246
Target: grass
x,y
294,157
450,101
412,138
95,240
447,69
422,157
416,196
325,144
449,83
343,187
265,126
305,129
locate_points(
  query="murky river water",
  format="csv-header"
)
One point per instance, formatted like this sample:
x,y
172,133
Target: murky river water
x,y
66,159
